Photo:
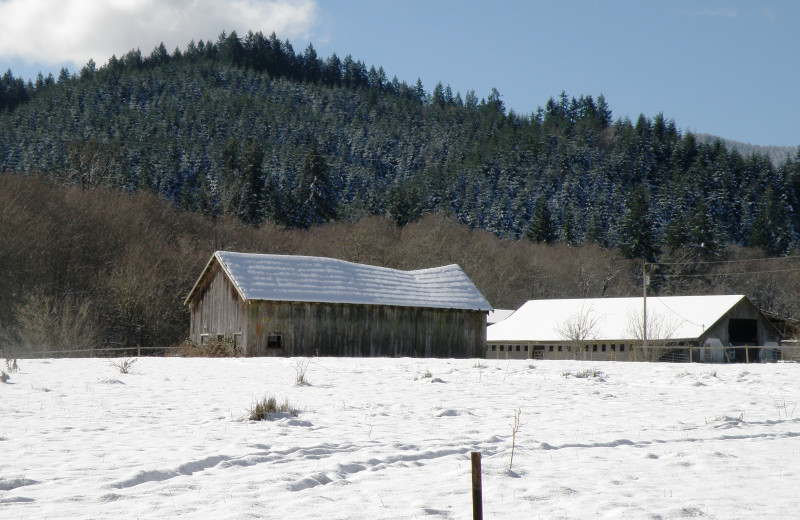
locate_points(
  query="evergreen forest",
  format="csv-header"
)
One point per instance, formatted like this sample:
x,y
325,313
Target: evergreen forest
x,y
250,128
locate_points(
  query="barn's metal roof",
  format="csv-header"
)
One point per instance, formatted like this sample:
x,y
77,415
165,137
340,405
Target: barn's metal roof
x,y
328,280
669,318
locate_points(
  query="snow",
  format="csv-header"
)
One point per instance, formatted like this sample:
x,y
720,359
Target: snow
x,y
498,315
391,438
681,317
328,280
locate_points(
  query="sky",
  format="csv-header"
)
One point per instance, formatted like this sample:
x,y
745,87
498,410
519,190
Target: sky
x,y
723,67
383,438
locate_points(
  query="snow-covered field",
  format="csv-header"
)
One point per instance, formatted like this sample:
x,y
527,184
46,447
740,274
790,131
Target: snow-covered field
x,y
376,438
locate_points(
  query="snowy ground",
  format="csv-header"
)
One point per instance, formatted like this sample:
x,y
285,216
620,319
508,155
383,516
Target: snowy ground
x,y
375,438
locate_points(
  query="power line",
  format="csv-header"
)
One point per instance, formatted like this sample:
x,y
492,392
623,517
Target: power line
x,y
739,273
726,261
676,313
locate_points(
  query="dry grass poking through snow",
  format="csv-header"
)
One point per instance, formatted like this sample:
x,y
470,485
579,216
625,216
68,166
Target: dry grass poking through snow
x,y
268,407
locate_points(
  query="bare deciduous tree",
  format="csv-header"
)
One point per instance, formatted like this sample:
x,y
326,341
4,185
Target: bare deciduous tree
x,y
579,328
49,323
660,331
91,163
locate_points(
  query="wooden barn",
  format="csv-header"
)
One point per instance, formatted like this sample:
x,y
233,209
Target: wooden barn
x,y
280,305
725,328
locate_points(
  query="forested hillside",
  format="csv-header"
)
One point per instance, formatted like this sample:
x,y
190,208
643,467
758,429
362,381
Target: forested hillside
x,y
249,128
98,268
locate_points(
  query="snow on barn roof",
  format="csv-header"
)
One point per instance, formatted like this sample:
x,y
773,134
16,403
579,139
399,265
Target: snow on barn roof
x,y
328,280
498,315
669,318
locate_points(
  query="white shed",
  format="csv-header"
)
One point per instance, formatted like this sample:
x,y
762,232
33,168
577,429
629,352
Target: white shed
x,y
611,328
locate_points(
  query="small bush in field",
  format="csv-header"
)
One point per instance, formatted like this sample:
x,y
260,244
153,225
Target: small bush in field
x,y
268,406
123,365
583,374
4,377
12,366
589,372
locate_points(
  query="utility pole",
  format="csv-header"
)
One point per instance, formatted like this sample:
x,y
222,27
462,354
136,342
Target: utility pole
x,y
644,308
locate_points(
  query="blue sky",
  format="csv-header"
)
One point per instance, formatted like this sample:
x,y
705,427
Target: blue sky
x,y
724,67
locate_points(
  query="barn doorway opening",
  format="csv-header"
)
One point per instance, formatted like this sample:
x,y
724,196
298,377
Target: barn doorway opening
x,y
743,333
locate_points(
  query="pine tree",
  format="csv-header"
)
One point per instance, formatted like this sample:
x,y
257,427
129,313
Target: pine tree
x,y
314,190
637,237
541,227
771,227
253,197
702,233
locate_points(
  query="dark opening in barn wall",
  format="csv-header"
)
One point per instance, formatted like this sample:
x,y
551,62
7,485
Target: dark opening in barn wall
x,y
743,332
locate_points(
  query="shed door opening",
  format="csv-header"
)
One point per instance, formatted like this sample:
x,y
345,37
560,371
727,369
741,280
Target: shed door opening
x,y
743,331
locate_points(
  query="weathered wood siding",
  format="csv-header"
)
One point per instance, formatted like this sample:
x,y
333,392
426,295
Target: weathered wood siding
x,y
328,329
743,310
217,308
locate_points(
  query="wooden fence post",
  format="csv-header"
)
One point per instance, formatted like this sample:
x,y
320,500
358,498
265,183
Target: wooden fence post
x,y
477,493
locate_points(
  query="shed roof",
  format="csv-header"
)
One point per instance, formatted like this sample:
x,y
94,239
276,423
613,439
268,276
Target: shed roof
x,y
669,318
328,280
498,315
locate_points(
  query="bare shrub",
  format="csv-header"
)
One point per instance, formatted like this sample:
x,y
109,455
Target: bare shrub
x,y
215,349
12,366
4,378
301,367
124,365
514,429
49,323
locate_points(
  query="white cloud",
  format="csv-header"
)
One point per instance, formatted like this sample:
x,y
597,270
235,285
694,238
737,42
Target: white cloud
x,y
58,31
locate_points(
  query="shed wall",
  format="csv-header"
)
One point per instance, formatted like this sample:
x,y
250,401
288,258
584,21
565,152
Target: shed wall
x,y
331,329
